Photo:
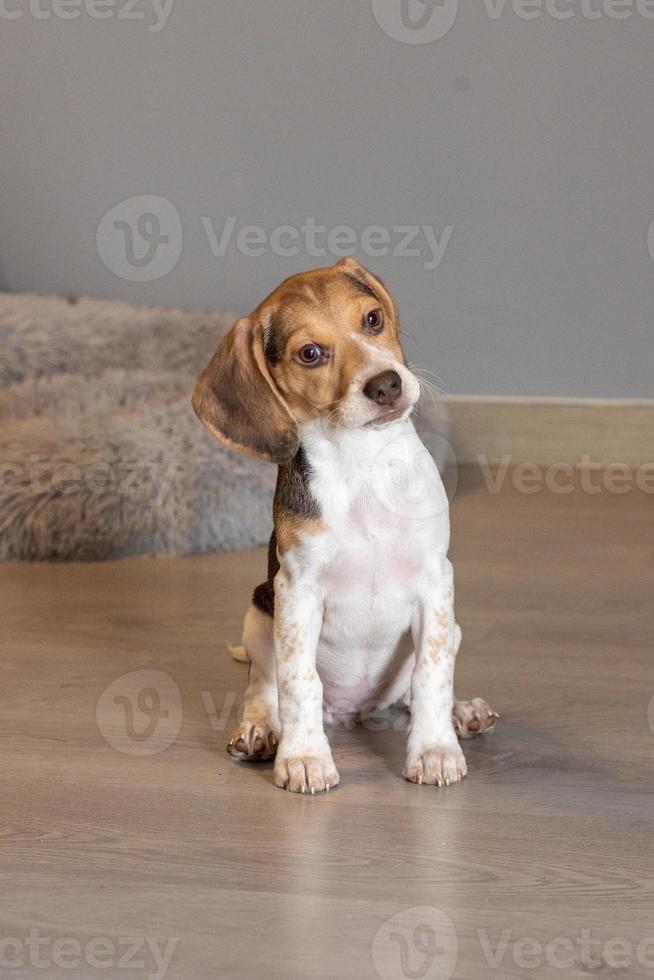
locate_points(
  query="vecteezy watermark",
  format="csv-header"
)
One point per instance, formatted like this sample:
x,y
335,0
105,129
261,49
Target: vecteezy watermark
x,y
140,713
415,21
418,942
318,241
151,957
650,240
586,951
155,12
425,21
564,478
405,475
422,942
568,9
137,481
140,239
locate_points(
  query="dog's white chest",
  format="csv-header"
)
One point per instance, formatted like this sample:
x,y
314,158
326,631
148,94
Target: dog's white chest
x,y
369,587
387,520
386,512
372,555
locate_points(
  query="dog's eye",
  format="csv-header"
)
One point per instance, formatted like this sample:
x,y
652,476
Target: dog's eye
x,y
310,355
374,321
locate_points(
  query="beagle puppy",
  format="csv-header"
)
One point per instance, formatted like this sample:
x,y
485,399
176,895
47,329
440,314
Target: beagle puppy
x,y
357,611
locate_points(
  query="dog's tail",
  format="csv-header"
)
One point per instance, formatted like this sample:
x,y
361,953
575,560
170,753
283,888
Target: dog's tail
x,y
239,653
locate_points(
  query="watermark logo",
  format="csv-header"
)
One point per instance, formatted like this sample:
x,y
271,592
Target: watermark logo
x,y
406,479
140,713
36,951
415,21
140,239
155,12
650,240
416,943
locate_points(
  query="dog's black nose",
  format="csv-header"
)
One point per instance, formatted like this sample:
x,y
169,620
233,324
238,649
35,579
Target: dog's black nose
x,y
384,388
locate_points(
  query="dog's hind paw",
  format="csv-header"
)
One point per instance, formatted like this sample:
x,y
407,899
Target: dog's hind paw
x,y
252,743
472,718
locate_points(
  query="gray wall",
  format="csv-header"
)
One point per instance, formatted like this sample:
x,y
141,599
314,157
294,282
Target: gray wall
x,y
532,138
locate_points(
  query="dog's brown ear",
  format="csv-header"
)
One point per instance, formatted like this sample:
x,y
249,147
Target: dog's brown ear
x,y
238,402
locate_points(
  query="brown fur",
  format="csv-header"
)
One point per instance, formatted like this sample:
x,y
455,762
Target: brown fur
x,y
237,401
254,391
324,307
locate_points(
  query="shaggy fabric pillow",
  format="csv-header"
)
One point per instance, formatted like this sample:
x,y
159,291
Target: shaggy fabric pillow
x,y
101,455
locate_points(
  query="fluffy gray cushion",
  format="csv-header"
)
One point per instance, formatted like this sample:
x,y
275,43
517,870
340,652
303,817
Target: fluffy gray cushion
x,y
101,455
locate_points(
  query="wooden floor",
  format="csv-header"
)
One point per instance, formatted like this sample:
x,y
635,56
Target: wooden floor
x,y
551,834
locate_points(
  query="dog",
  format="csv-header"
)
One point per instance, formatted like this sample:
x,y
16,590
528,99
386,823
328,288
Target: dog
x,y
357,612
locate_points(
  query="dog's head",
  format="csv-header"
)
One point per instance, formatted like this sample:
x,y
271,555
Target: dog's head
x,y
325,344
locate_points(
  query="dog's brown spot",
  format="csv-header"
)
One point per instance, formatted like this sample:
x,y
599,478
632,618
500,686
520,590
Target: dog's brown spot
x,y
290,640
443,618
361,285
438,642
264,594
291,531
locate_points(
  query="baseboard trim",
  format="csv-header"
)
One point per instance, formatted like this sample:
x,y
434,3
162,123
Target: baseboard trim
x,y
551,430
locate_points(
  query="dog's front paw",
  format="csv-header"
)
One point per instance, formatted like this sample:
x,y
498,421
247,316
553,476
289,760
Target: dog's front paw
x,y
312,772
436,766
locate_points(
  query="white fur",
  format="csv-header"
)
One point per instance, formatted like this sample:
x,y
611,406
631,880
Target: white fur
x,y
363,611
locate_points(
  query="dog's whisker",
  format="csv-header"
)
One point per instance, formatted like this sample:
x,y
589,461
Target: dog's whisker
x,y
424,369
425,387
435,393
419,370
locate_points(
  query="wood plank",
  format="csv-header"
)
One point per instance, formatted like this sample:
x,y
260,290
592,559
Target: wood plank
x,y
552,430
550,834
